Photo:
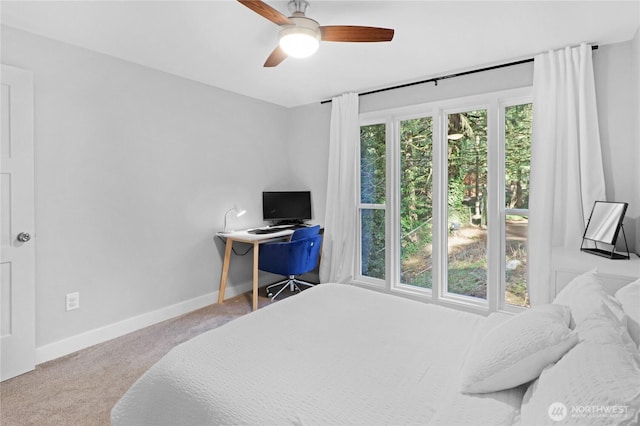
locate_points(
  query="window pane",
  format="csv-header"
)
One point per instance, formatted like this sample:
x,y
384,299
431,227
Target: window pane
x,y
416,192
467,201
372,164
517,155
517,228
518,124
373,243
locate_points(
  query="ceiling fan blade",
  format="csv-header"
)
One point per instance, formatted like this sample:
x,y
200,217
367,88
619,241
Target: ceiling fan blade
x,y
266,11
278,55
355,33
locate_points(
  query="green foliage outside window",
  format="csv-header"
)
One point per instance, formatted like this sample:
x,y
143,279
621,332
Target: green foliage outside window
x,y
467,194
518,130
518,155
416,195
372,164
373,191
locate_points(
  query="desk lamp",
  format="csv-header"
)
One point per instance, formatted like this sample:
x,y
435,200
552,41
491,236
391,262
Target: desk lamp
x,y
238,212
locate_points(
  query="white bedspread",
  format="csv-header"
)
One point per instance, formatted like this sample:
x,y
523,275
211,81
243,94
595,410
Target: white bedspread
x,y
332,355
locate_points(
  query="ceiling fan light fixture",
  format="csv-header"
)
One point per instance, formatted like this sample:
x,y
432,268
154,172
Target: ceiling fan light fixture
x,y
299,42
300,36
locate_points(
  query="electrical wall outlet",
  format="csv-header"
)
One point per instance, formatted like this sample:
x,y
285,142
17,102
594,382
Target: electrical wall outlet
x,y
73,301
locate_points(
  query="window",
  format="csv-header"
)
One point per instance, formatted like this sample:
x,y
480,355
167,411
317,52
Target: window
x,y
444,191
517,168
416,201
467,204
372,200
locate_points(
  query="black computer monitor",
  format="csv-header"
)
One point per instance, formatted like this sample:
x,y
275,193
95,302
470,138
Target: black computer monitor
x,y
281,207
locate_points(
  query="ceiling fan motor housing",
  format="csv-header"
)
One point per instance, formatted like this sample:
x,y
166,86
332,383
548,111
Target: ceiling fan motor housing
x,y
298,6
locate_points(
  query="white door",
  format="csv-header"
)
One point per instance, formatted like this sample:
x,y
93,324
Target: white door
x,y
17,251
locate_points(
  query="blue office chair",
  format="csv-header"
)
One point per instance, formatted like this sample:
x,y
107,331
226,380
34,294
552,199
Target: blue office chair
x,y
294,257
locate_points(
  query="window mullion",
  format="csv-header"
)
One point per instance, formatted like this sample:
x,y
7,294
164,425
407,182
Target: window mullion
x,y
439,204
495,274
393,204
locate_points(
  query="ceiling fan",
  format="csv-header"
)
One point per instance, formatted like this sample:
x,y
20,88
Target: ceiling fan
x,y
300,36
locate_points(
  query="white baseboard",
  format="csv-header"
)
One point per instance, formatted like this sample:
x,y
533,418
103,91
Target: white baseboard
x,y
99,335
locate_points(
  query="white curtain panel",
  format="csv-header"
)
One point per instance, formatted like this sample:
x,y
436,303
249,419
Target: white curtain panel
x,y
338,248
566,160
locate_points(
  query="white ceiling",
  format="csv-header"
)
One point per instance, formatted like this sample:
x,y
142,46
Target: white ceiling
x,y
224,44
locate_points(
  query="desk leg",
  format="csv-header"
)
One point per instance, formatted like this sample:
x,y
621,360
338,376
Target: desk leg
x,y
225,270
256,251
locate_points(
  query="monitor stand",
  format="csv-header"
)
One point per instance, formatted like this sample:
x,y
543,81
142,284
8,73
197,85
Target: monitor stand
x,y
288,223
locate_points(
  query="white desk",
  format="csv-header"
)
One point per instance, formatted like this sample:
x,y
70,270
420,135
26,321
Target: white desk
x,y
245,237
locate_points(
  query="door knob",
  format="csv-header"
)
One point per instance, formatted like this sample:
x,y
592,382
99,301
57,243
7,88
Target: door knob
x,y
24,237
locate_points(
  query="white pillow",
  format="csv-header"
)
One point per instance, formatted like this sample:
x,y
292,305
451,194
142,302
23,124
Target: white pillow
x,y
629,298
603,327
593,384
589,279
584,294
601,373
516,351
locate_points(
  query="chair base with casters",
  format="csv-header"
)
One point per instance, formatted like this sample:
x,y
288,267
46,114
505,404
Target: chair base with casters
x,y
291,258
290,282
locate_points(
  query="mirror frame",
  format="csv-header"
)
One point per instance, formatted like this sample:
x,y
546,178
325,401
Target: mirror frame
x,y
618,222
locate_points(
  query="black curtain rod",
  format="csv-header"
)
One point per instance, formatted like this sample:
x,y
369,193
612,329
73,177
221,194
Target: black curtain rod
x,y
445,77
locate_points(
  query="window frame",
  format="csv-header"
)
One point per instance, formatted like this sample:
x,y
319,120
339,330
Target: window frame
x,y
360,206
495,104
396,252
446,296
525,98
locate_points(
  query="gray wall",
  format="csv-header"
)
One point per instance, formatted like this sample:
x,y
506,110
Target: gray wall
x,y
490,81
618,115
636,137
634,154
135,169
308,136
636,89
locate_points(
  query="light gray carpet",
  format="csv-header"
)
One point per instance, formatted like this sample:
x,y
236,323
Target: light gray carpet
x,y
81,388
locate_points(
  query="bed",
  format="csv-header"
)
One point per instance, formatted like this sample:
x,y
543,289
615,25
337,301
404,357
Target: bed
x,y
339,354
